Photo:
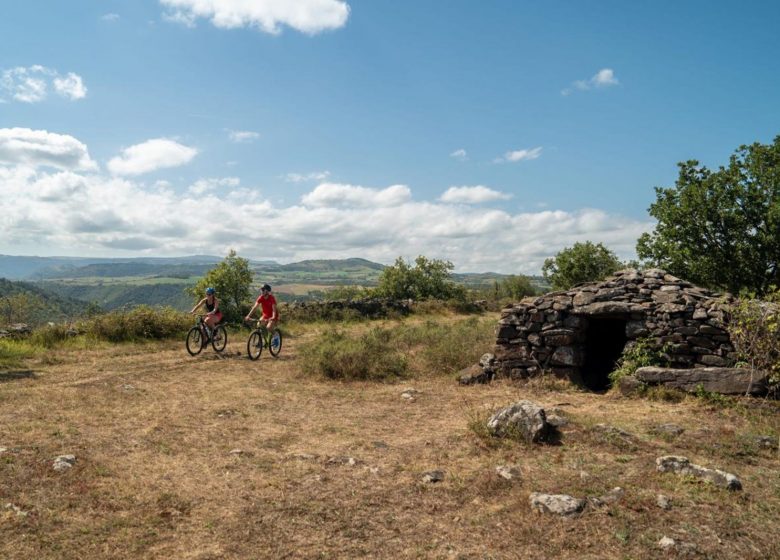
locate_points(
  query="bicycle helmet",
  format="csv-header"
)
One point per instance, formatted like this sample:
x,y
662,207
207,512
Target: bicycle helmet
x,y
266,287
210,291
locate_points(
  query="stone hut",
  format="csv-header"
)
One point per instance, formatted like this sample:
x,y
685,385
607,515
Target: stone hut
x,y
580,333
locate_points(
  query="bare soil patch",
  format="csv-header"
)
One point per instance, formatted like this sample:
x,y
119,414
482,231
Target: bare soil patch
x,y
218,457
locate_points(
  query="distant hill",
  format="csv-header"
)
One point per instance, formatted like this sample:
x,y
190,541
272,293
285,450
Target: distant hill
x,y
39,306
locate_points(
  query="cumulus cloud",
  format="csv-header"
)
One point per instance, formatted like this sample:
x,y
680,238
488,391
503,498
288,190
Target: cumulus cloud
x,y
158,153
519,155
67,210
71,86
110,17
601,79
460,154
242,136
31,84
308,16
36,148
202,186
472,195
335,195
306,177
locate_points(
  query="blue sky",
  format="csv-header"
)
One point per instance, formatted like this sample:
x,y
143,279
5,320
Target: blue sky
x,y
492,134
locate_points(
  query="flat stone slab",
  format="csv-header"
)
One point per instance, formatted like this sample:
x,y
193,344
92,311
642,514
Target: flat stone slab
x,y
682,466
725,381
558,504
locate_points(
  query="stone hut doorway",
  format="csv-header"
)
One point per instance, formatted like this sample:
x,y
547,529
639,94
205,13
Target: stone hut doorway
x,y
605,339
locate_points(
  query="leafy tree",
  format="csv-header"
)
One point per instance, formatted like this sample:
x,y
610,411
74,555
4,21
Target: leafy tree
x,y
515,287
583,262
427,279
232,279
721,228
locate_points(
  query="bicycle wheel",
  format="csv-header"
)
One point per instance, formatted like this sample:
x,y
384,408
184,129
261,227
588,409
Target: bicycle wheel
x,y
275,343
219,338
254,346
194,341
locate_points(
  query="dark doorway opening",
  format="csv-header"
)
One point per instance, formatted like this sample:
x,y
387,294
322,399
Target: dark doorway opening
x,y
604,343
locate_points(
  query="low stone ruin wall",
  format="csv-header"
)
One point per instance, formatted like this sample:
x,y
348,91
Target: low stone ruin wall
x,y
552,332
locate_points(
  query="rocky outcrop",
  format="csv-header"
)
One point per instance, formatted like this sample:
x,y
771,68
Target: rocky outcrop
x,y
523,419
682,466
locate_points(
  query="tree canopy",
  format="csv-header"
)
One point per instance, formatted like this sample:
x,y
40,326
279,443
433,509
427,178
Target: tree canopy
x,y
721,228
427,279
583,262
232,279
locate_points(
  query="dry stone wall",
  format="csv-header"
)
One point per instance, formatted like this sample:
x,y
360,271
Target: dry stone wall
x,y
553,332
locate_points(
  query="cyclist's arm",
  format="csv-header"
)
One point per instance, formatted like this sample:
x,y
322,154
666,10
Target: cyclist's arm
x,y
197,305
249,315
275,314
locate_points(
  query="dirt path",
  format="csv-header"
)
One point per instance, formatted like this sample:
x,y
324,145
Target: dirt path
x,y
221,457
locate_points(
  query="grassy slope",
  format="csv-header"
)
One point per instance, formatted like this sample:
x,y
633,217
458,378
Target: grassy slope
x,y
153,431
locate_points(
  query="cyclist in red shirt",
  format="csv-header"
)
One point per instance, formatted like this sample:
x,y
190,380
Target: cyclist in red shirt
x,y
268,304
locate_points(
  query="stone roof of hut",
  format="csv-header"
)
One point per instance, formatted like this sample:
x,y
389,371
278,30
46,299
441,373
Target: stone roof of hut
x,y
649,291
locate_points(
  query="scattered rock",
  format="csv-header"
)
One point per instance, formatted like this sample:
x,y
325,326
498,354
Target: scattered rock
x,y
670,430
663,502
616,436
3,450
433,476
666,543
236,452
765,442
63,462
682,466
379,444
16,510
524,418
557,418
611,497
628,385
558,504
508,472
474,374
410,394
343,460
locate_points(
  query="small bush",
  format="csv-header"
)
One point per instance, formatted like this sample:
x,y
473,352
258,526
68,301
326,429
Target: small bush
x,y
641,353
51,335
448,347
369,356
140,323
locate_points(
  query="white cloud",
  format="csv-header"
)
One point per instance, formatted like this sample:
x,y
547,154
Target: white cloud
x,y
202,186
110,17
242,136
31,84
601,79
460,154
158,153
36,148
305,177
520,155
71,86
307,16
68,211
332,195
472,195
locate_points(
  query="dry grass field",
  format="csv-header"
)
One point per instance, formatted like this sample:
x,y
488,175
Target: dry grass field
x,y
219,457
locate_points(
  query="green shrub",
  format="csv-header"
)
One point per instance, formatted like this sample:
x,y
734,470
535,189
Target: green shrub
x,y
368,356
140,323
754,328
643,352
50,335
13,352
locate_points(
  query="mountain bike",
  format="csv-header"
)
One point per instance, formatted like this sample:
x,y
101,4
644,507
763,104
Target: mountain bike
x,y
200,335
261,337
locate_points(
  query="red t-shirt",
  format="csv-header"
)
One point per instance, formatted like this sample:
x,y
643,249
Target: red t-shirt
x,y
268,305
